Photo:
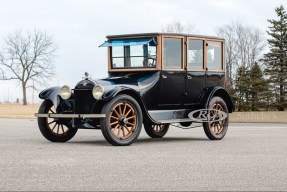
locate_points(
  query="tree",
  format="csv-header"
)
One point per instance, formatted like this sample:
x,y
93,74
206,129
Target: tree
x,y
259,89
242,89
179,27
28,59
243,45
276,58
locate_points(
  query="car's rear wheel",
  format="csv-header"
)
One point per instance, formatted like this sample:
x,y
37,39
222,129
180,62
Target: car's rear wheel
x,y
123,121
54,129
218,111
156,130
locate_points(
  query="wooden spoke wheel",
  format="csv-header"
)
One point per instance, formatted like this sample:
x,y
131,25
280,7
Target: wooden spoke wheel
x,y
54,129
156,130
217,125
123,121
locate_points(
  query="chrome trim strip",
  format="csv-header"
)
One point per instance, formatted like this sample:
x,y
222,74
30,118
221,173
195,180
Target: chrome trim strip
x,y
70,115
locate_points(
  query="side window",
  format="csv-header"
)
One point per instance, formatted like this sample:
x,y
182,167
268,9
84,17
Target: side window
x,y
214,55
172,53
195,54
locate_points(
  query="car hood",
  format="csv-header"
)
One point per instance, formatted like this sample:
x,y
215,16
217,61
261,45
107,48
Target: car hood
x,y
136,81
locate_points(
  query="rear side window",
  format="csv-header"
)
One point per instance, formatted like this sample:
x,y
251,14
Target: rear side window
x,y
214,55
172,53
195,54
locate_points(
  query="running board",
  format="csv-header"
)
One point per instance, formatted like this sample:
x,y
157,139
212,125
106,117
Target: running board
x,y
71,115
170,116
176,120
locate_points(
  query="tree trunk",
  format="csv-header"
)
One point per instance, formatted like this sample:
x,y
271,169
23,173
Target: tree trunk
x,y
24,93
281,97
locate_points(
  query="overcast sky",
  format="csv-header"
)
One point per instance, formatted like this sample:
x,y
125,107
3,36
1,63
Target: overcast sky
x,y
80,26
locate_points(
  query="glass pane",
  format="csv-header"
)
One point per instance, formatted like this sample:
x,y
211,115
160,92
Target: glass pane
x,y
138,56
118,62
172,53
214,55
137,61
195,54
118,52
152,50
137,50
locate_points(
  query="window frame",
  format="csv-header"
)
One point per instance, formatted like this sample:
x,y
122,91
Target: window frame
x,y
222,55
204,53
158,56
182,53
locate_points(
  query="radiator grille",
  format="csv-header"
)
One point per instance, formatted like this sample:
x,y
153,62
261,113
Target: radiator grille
x,y
84,101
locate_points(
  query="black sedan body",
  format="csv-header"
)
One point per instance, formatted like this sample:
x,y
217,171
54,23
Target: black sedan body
x,y
161,91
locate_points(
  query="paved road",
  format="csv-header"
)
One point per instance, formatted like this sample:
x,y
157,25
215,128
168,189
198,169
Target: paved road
x,y
250,157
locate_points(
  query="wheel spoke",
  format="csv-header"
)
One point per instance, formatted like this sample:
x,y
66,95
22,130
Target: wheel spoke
x,y
130,124
122,128
51,111
58,128
120,110
131,117
54,127
118,135
62,128
54,121
125,107
114,117
128,112
114,123
127,129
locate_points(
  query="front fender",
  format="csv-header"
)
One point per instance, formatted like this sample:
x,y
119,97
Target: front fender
x,y
110,94
133,93
51,94
216,91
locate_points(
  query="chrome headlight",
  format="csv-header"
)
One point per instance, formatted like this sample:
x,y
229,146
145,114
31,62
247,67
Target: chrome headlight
x,y
65,92
98,92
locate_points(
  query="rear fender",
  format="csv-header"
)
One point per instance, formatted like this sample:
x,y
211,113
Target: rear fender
x,y
216,91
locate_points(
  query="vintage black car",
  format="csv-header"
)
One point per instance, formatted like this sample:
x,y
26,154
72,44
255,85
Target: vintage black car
x,y
155,79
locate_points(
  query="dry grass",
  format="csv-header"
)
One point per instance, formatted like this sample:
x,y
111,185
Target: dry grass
x,y
24,112
18,111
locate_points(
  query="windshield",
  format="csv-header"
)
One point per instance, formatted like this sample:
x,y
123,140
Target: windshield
x,y
134,55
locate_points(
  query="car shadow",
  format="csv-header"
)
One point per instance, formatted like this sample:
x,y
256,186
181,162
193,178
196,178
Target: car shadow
x,y
140,140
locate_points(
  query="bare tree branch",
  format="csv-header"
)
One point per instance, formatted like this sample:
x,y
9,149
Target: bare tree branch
x,y
28,58
179,27
243,44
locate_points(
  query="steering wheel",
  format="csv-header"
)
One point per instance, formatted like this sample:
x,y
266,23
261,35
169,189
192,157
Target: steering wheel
x,y
146,62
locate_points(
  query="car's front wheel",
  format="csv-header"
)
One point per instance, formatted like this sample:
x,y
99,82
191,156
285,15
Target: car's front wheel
x,y
156,130
217,125
123,121
54,129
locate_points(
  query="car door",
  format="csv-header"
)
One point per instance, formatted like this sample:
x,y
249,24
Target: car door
x,y
172,74
195,69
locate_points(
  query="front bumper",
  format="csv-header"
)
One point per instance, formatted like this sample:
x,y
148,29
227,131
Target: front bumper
x,y
75,116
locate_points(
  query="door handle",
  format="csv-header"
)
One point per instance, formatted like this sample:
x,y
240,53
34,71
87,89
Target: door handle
x,y
164,77
189,77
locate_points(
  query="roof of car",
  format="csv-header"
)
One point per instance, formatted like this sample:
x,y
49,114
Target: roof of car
x,y
163,33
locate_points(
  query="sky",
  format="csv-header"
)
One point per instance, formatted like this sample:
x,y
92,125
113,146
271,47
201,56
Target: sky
x,y
78,27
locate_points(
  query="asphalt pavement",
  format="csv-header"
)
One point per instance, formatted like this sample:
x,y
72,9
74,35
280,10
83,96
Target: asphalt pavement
x,y
250,157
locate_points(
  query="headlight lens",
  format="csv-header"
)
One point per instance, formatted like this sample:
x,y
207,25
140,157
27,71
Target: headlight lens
x,y
65,92
98,92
